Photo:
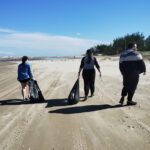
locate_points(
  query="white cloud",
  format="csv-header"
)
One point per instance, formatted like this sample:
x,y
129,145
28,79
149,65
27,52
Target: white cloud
x,y
6,30
42,41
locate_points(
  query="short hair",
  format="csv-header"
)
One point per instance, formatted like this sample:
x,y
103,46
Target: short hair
x,y
130,45
24,59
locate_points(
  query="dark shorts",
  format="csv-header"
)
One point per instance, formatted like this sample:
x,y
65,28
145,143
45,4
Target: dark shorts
x,y
24,81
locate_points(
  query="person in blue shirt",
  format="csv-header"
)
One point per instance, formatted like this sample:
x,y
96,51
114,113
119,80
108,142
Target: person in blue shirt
x,y
24,75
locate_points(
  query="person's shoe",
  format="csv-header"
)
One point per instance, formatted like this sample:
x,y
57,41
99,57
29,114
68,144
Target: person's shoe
x,y
131,103
121,100
92,95
85,98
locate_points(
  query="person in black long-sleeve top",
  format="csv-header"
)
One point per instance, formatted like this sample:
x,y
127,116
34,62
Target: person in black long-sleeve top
x,y
131,64
87,64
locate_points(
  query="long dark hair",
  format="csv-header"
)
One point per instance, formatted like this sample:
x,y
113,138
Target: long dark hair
x,y
24,59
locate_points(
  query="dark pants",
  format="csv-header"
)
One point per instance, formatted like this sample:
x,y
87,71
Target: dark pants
x,y
129,85
89,81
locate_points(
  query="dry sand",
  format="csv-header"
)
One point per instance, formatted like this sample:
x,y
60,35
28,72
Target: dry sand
x,y
97,124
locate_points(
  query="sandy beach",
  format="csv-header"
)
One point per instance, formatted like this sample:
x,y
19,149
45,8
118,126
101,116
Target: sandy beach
x,y
96,124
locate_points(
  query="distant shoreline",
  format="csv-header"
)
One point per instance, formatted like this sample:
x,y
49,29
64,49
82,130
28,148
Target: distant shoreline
x,y
41,58
10,59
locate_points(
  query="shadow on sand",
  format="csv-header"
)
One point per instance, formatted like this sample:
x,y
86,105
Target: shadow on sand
x,y
16,102
56,102
50,102
83,109
62,102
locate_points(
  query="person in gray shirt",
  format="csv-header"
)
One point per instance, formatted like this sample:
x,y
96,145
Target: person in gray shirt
x,y
87,64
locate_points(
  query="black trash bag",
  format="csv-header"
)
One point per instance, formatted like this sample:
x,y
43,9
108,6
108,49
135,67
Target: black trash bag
x,y
74,95
36,95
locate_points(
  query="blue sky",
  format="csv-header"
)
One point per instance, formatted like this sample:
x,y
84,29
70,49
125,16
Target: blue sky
x,y
67,27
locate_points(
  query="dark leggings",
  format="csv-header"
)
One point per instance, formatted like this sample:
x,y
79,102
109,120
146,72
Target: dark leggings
x,y
89,81
129,86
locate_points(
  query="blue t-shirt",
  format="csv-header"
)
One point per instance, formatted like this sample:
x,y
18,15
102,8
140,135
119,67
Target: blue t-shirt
x,y
24,71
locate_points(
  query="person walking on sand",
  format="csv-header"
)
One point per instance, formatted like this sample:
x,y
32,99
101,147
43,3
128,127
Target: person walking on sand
x,y
87,64
131,64
24,75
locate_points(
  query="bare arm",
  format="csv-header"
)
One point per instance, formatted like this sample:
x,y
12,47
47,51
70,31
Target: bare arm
x,y
98,67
